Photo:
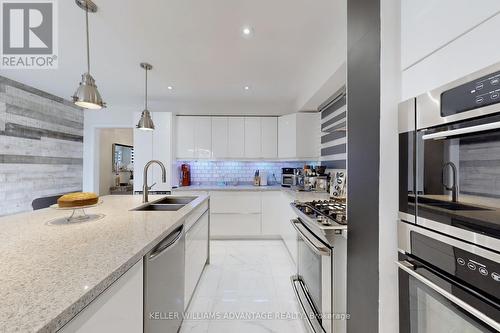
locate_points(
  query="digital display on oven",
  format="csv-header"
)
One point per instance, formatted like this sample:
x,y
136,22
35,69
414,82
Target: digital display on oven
x,y
471,95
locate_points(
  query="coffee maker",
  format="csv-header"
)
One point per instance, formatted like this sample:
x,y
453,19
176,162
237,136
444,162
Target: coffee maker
x,y
185,175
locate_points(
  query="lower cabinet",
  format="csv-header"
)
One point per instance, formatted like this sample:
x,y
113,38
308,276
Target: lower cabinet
x,y
188,193
235,214
117,309
196,254
235,225
287,231
272,212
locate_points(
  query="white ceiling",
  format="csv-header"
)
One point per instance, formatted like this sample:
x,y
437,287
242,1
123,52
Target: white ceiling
x,y
197,47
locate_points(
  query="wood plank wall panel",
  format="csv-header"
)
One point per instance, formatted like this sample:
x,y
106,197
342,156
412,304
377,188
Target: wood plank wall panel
x,y
334,134
41,146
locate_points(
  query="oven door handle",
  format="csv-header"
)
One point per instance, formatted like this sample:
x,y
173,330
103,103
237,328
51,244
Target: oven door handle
x,y
459,131
409,268
316,246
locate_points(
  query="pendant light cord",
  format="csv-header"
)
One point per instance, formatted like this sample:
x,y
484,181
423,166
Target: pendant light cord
x,y
146,90
88,42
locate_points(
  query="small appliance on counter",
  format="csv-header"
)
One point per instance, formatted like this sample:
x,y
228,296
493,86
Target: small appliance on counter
x,y
263,178
298,180
287,177
256,178
321,184
185,175
338,185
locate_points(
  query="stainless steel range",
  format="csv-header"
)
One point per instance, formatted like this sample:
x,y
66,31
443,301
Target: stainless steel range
x,y
320,282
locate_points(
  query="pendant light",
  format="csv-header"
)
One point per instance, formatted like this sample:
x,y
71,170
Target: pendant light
x,y
146,123
87,96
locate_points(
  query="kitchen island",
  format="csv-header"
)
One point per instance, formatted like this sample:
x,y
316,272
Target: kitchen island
x,y
52,272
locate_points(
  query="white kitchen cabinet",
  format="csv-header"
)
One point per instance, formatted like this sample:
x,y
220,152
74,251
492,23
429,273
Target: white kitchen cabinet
x,y
226,137
224,202
143,152
235,214
269,137
236,137
203,137
458,16
253,137
153,145
185,137
162,150
219,137
234,225
299,136
287,231
196,254
271,213
188,193
118,309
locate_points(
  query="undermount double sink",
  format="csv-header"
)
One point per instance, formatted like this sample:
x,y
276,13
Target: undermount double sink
x,y
168,204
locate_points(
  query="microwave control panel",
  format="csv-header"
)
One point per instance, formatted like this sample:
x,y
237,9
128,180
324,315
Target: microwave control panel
x,y
471,95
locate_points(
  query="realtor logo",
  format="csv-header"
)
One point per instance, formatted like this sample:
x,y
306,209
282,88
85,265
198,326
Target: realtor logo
x,y
29,36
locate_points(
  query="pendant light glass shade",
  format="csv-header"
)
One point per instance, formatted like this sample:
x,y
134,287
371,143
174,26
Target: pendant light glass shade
x,y
87,96
146,122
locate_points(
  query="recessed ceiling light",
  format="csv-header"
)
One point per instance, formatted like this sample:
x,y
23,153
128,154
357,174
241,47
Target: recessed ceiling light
x,y
170,88
246,88
247,31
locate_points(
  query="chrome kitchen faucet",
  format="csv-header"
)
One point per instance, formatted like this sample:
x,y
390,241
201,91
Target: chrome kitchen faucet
x,y
145,187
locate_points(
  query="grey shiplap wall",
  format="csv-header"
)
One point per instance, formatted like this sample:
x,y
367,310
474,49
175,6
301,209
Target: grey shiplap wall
x,y
334,133
41,146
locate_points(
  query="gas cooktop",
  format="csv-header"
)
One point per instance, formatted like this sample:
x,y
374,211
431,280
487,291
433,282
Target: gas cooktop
x,y
326,212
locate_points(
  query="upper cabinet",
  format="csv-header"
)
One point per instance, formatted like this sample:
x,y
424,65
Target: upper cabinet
x,y
202,137
219,137
236,137
299,136
194,137
253,137
185,137
459,17
294,136
269,137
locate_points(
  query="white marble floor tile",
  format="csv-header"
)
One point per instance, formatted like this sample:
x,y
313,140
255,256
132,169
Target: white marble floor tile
x,y
249,279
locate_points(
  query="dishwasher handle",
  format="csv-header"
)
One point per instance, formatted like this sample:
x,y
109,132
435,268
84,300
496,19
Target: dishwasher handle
x,y
166,243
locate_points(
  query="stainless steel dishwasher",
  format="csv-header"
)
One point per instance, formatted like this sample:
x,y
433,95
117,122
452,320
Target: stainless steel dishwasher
x,y
164,284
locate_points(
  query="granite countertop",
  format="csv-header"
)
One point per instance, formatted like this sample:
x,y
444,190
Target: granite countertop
x,y
51,272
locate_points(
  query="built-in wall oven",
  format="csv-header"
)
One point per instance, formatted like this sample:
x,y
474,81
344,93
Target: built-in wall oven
x,y
449,207
450,159
446,285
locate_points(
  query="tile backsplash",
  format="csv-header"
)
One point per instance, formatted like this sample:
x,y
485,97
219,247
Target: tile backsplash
x,y
213,172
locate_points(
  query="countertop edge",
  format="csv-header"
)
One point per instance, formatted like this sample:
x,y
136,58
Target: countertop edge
x,y
74,309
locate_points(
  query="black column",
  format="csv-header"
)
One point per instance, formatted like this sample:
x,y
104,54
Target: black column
x,y
363,141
